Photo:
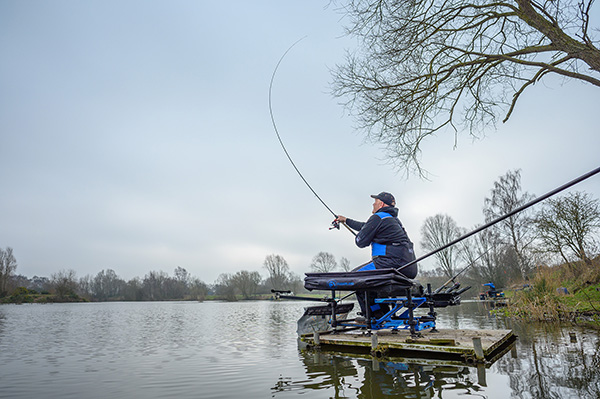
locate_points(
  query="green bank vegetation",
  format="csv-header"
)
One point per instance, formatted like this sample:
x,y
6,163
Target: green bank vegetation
x,y
568,292
24,295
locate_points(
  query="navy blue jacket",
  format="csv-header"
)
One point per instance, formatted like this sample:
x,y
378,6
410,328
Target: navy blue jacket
x,y
391,247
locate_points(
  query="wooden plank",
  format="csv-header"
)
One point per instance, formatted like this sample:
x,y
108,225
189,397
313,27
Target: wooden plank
x,y
478,348
445,342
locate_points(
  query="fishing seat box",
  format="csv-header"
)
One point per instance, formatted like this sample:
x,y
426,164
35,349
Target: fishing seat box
x,y
387,282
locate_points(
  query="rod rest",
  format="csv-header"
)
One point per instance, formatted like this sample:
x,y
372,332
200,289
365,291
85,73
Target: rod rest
x,y
326,310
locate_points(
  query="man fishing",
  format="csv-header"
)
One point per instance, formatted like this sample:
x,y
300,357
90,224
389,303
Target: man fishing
x,y
390,245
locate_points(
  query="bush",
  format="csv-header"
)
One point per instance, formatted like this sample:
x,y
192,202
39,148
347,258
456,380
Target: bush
x,y
21,295
542,303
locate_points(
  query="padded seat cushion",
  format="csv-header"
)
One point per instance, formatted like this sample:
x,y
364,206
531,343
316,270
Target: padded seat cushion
x,y
390,280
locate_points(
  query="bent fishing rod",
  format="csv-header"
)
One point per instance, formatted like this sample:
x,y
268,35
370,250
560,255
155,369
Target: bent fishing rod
x,y
335,223
509,214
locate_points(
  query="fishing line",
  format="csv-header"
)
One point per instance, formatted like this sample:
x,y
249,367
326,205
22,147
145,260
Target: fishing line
x,y
334,223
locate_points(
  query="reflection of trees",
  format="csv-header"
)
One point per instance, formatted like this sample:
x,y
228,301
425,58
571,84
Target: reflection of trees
x,y
387,379
549,365
406,380
2,317
278,331
469,315
371,378
323,371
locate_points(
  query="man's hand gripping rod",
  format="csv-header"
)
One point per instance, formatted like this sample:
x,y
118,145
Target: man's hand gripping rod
x,y
336,225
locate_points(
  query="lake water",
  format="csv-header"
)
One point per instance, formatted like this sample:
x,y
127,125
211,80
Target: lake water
x,y
249,350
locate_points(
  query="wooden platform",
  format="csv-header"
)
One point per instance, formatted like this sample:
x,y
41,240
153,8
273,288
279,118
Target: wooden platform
x,y
463,346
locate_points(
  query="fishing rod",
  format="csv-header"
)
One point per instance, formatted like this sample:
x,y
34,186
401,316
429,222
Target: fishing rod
x,y
509,214
451,280
335,224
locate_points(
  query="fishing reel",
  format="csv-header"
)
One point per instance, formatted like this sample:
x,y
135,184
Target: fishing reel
x,y
335,225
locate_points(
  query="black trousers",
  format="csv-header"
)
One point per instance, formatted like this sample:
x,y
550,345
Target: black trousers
x,y
367,299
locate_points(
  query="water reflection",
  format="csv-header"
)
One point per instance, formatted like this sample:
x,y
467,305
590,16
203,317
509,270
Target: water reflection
x,y
557,362
359,377
547,361
249,349
2,317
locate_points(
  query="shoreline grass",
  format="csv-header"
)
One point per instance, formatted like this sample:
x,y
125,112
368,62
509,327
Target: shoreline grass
x,y
564,293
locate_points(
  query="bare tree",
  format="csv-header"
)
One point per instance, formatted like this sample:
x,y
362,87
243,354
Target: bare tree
x,y
568,225
516,230
345,264
225,287
154,285
436,232
64,283
181,282
494,261
182,275
279,271
107,285
134,290
40,284
323,262
425,65
85,286
198,289
8,265
246,283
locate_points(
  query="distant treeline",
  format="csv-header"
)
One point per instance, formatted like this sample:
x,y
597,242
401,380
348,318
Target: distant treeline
x,y
154,286
562,230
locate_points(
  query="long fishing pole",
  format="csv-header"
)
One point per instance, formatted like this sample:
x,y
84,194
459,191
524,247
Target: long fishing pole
x,y
509,214
334,223
451,280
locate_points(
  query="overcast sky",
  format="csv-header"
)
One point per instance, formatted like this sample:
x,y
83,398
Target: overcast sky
x,y
136,136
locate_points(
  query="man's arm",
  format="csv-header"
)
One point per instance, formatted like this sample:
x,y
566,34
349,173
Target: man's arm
x,y
367,232
354,224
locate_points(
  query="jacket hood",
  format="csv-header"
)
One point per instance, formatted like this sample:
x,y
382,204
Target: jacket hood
x,y
389,209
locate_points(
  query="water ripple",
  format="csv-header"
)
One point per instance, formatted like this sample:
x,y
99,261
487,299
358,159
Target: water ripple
x,y
249,349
